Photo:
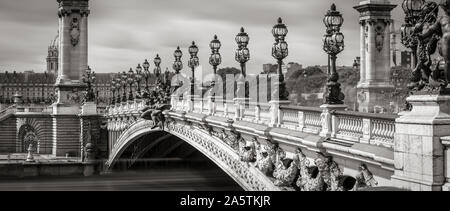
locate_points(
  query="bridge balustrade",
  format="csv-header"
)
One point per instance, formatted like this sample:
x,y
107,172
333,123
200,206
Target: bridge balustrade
x,y
346,126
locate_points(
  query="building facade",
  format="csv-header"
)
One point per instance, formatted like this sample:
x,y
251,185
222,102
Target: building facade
x,y
39,88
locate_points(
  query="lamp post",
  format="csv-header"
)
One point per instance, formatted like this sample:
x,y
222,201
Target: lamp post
x,y
242,56
412,9
167,80
193,63
146,66
138,78
113,90
130,81
157,70
280,52
123,81
215,60
118,87
177,66
333,44
89,78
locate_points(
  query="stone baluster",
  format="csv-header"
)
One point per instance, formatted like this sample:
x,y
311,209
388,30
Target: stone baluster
x,y
446,143
326,119
211,105
335,123
301,120
257,114
367,131
225,109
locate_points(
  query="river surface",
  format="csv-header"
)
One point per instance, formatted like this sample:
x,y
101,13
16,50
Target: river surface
x,y
178,179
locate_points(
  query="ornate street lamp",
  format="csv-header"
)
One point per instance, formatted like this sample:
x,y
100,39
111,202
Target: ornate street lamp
x,y
242,53
280,52
177,66
193,63
412,9
242,56
333,44
113,90
89,78
157,70
130,81
138,78
118,86
215,59
167,79
123,81
146,66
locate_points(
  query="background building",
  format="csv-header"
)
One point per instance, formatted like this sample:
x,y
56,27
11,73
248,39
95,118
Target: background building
x,y
38,88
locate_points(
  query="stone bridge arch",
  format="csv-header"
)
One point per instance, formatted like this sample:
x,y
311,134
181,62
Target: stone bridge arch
x,y
246,176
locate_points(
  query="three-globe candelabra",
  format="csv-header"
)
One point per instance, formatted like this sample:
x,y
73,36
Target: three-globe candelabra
x,y
333,44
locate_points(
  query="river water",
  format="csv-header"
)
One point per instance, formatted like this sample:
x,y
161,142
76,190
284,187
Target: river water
x,y
174,179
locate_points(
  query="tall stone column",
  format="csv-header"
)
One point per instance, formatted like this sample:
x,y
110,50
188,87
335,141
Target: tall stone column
x,y
73,51
362,52
375,20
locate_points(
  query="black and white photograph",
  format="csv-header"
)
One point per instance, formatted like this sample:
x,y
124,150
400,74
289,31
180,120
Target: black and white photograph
x,y
230,96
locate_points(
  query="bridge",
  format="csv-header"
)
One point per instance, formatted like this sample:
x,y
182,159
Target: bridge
x,y
215,129
263,146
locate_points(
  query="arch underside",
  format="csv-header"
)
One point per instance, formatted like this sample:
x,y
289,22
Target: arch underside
x,y
247,176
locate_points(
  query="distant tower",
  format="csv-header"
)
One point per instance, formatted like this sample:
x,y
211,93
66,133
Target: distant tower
x,y
52,57
375,21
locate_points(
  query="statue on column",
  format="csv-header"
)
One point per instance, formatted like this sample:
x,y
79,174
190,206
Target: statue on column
x,y
433,33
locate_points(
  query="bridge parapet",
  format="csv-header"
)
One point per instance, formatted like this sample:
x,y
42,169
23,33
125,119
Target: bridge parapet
x,y
346,126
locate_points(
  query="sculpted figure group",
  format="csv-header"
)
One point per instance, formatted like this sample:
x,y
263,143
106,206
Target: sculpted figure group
x,y
300,173
431,34
158,101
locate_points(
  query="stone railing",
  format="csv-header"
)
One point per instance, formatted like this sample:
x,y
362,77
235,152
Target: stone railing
x,y
129,107
349,127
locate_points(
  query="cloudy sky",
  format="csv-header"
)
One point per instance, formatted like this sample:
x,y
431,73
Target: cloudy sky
x,y
124,33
